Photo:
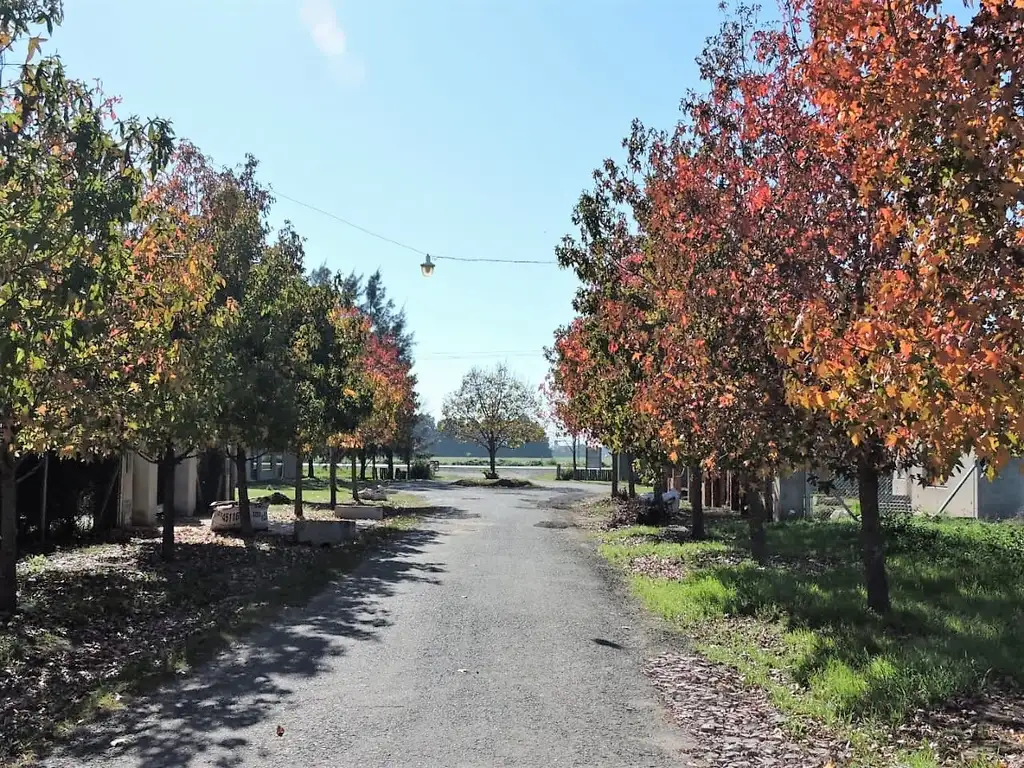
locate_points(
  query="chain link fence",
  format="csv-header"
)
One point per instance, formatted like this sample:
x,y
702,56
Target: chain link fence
x,y
831,496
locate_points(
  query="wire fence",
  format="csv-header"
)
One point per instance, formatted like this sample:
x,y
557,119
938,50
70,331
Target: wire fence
x,y
835,496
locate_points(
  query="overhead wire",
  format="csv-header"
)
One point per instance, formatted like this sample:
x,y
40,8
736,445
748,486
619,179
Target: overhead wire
x,y
400,244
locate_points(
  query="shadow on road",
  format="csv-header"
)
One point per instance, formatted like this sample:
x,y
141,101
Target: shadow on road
x,y
205,717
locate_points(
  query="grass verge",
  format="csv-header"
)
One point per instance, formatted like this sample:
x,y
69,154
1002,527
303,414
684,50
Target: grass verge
x,y
102,624
941,674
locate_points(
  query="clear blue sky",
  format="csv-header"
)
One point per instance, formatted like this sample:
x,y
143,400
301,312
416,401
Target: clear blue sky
x,y
466,128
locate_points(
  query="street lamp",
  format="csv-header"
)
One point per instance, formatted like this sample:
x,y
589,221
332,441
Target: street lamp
x,y
427,267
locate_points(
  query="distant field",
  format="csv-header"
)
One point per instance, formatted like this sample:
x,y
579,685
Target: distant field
x,y
508,461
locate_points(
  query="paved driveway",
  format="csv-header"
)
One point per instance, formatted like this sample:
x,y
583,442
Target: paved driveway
x,y
483,639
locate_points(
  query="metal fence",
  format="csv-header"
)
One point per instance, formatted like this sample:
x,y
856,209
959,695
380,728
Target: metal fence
x,y
835,496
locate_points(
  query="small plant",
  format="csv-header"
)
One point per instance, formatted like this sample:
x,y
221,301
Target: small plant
x,y
421,470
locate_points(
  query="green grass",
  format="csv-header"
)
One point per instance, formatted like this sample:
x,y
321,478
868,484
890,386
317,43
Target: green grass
x,y
957,620
317,491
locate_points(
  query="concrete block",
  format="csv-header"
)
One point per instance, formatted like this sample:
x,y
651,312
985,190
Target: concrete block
x,y
226,517
324,532
144,482
359,513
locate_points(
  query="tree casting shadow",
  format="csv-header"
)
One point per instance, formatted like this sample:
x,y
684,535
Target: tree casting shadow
x,y
205,716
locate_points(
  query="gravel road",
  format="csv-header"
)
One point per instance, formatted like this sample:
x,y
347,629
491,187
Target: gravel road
x,y
481,640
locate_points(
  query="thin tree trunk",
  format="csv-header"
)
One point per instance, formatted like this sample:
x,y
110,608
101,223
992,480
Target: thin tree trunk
x,y
310,469
374,460
333,475
695,486
362,464
769,500
391,464
575,445
355,479
244,512
42,505
659,517
8,532
168,463
298,486
615,475
101,519
872,543
631,479
492,453
755,519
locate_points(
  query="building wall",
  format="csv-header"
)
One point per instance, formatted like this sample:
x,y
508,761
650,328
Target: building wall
x,y
790,494
1003,496
928,500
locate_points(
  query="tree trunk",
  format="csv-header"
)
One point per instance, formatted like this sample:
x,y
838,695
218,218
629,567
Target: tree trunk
x,y
769,500
42,506
298,486
311,470
872,544
694,493
103,518
355,479
374,464
244,512
8,532
391,464
333,475
168,463
631,480
755,519
362,464
659,516
575,445
615,475
492,453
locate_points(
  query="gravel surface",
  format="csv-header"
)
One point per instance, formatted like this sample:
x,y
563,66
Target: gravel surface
x,y
485,639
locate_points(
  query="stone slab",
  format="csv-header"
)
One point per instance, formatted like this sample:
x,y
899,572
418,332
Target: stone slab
x,y
324,532
359,513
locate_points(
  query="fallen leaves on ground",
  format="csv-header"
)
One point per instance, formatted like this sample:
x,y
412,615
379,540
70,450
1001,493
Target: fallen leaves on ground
x,y
971,727
90,617
735,723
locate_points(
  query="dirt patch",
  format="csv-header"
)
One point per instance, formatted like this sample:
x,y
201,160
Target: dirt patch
x,y
504,482
655,567
735,722
971,727
557,524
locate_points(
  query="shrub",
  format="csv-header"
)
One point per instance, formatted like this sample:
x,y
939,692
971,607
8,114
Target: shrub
x,y
421,470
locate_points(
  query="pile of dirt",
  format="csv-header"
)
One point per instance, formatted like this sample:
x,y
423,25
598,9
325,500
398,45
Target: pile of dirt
x,y
274,498
505,482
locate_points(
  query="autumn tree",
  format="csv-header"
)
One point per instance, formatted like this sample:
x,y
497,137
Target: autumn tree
x,y
170,409
390,354
259,386
493,409
332,392
71,176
